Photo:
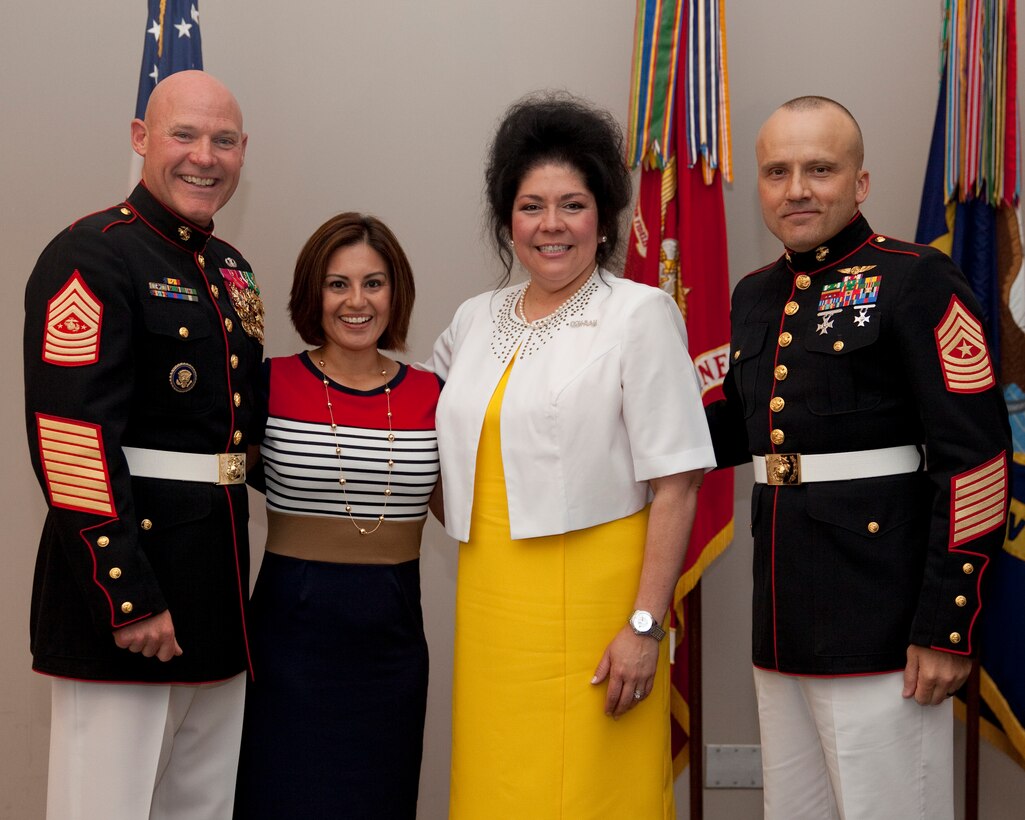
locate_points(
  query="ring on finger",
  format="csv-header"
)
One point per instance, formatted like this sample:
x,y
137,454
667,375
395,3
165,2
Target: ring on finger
x,y
638,694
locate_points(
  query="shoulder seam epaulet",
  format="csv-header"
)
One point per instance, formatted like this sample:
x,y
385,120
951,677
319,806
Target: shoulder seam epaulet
x,y
897,246
115,216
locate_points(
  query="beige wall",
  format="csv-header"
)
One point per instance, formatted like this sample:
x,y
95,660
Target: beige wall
x,y
386,107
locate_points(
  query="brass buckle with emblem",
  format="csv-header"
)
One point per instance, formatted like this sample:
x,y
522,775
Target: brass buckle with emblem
x,y
231,468
782,469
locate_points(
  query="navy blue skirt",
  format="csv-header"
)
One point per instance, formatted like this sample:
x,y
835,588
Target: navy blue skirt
x,y
334,716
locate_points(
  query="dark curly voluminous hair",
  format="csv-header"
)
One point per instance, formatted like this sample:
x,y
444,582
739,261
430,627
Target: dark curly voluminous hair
x,y
306,301
556,127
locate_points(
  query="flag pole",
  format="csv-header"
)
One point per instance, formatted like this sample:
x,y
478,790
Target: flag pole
x,y
971,755
692,624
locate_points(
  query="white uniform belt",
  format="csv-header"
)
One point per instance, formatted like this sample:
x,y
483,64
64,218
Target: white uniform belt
x,y
794,468
218,468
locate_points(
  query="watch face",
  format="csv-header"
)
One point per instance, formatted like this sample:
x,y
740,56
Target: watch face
x,y
641,621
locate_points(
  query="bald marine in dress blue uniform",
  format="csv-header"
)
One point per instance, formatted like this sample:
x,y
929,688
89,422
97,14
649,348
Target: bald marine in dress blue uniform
x,y
861,385
143,334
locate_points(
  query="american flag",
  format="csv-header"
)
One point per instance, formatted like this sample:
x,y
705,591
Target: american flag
x,y
173,43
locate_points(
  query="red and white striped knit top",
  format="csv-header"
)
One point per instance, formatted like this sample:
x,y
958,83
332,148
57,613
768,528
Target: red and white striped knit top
x,y
300,463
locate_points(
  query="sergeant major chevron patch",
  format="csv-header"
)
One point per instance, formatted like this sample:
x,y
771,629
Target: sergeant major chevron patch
x,y
73,316
964,357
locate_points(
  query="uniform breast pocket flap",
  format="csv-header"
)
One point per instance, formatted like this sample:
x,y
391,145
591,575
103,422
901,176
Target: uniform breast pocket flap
x,y
185,321
165,504
747,342
869,508
746,347
841,334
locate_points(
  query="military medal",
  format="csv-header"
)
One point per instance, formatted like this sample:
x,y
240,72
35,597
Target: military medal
x,y
855,290
245,297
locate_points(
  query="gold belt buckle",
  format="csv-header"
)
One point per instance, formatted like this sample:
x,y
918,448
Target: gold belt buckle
x,y
783,469
231,468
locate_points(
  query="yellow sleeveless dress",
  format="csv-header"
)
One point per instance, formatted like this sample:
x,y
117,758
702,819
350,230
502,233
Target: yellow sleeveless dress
x,y
530,738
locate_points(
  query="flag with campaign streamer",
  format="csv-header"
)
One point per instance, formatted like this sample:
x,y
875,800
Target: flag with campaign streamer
x,y
970,210
678,133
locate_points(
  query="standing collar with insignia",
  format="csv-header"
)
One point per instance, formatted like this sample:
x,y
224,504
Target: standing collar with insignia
x,y
855,234
167,223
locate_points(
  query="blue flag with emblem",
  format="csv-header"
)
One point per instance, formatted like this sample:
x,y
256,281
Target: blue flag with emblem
x,y
970,211
173,43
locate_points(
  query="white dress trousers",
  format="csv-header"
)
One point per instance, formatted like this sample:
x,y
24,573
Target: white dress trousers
x,y
851,748
136,751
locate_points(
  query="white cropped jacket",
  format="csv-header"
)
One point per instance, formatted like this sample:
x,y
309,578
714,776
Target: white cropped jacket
x,y
610,400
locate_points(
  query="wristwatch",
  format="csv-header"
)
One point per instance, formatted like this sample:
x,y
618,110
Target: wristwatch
x,y
643,623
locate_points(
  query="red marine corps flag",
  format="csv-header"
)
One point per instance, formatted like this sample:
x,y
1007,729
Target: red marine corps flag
x,y
679,135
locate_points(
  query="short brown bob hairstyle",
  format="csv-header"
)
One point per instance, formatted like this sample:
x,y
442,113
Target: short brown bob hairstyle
x,y
306,301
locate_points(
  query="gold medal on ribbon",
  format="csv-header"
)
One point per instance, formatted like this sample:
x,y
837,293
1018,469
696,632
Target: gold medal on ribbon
x,y
245,297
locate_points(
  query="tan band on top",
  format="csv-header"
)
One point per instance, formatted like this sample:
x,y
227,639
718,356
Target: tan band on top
x,y
318,538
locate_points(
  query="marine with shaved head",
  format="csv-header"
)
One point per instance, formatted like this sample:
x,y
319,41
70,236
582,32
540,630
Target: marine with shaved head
x,y
862,388
143,337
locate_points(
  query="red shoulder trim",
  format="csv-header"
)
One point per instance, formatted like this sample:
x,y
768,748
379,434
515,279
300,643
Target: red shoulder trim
x,y
879,241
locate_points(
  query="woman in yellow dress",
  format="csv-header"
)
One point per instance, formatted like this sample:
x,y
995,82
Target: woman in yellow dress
x,y
572,443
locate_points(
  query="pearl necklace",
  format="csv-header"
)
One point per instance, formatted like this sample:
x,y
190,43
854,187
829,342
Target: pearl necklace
x,y
338,454
507,335
571,302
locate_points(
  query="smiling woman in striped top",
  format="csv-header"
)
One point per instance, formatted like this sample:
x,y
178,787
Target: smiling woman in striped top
x,y
335,712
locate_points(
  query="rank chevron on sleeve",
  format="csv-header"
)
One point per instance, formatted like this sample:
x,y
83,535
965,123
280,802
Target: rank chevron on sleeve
x,y
964,357
73,321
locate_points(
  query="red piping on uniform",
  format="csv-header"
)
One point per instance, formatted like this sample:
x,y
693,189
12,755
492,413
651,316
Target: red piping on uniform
x,y
206,235
96,580
238,577
775,497
227,357
125,221
775,631
879,247
835,262
175,214
231,507
978,606
74,224
982,559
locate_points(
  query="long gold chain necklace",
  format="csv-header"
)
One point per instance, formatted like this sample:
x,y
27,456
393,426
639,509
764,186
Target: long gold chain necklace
x,y
338,454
